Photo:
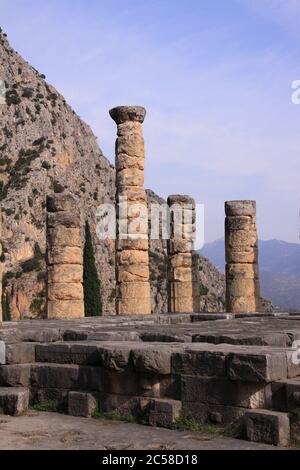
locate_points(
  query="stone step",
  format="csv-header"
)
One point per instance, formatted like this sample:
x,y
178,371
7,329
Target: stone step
x,y
266,426
14,401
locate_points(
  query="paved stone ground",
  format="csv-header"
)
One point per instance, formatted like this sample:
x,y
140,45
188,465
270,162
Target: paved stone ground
x,y
52,431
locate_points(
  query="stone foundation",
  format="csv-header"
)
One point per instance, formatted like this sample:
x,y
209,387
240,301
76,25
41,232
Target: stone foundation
x,y
160,369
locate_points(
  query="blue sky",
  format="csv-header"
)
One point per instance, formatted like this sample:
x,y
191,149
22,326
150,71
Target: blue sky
x,y
214,75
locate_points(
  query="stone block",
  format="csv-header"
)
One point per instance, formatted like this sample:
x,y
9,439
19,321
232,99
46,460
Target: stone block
x,y
2,353
180,246
240,208
125,162
292,394
241,304
14,401
130,177
180,304
129,257
133,273
164,412
134,290
203,363
260,367
278,399
131,194
222,391
59,353
15,375
181,274
133,244
55,376
65,309
292,364
241,288
241,271
132,306
64,236
152,360
20,353
67,219
204,413
114,357
241,240
125,404
65,273
131,144
233,256
184,260
57,396
82,404
129,383
65,255
65,291
269,427
242,222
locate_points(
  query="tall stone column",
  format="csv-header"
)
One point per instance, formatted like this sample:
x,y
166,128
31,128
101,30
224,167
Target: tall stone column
x,y
182,291
133,287
1,269
241,245
64,258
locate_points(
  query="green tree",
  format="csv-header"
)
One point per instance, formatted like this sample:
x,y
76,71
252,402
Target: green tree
x,y
91,282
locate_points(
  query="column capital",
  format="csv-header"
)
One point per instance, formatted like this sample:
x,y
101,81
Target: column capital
x,y
240,208
122,114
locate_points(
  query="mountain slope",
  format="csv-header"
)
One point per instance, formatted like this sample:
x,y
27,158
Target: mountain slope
x,y
44,148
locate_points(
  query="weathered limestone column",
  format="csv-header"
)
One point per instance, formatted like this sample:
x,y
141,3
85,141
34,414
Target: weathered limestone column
x,y
133,287
1,269
181,288
64,258
241,245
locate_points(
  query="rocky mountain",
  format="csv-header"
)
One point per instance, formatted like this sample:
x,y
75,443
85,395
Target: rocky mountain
x,y
46,148
279,270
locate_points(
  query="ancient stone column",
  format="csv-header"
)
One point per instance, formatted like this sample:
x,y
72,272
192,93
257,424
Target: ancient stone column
x,y
181,288
1,269
133,288
64,258
241,245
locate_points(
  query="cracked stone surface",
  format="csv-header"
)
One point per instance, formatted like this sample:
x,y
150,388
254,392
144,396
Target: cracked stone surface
x,y
52,431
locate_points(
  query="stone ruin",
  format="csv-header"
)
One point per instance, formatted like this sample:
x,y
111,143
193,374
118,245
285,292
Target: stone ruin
x,y
133,287
241,246
181,289
64,258
239,368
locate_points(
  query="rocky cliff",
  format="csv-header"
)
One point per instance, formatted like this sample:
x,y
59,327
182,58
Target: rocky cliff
x,y
45,148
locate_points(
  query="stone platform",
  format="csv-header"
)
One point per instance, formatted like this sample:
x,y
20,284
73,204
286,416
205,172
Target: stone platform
x,y
209,368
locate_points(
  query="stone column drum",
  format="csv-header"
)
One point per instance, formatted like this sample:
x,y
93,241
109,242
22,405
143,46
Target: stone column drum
x,y
181,288
1,269
64,258
241,245
133,287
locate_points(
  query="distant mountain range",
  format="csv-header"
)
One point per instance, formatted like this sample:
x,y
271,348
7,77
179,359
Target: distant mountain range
x,y
279,263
